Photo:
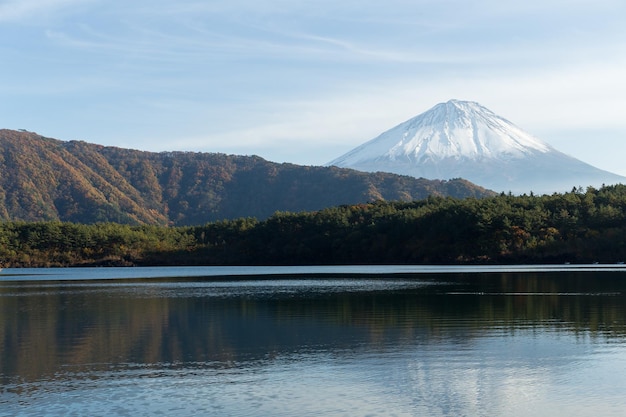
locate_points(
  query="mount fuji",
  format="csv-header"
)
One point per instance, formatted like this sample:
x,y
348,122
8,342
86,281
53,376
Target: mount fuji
x,y
462,139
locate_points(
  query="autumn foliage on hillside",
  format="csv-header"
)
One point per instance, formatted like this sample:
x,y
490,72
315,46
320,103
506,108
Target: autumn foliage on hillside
x,y
44,179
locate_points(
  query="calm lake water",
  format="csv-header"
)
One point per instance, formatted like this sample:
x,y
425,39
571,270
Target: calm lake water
x,y
333,341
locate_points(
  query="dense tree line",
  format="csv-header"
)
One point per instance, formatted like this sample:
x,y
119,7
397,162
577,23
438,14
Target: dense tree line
x,y
579,226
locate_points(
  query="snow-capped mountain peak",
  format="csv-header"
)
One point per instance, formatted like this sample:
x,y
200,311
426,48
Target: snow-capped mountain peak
x,y
464,139
455,129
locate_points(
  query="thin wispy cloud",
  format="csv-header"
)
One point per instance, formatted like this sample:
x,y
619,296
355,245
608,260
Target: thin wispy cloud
x,y
22,10
267,76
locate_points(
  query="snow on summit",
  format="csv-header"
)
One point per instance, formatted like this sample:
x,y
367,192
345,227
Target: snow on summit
x,y
458,129
464,139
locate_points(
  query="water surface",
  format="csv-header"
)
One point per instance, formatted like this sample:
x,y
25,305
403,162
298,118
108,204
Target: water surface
x,y
436,341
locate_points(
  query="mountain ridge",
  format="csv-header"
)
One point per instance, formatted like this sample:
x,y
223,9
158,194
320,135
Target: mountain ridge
x,y
49,179
465,139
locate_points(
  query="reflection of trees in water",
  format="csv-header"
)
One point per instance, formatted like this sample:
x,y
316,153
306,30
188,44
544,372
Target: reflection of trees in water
x,y
45,330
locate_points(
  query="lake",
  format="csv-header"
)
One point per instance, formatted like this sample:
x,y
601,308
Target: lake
x,y
312,341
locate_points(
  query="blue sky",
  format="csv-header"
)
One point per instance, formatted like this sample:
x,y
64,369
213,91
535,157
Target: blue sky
x,y
306,81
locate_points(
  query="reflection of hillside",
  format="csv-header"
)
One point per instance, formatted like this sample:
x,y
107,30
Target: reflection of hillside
x,y
77,327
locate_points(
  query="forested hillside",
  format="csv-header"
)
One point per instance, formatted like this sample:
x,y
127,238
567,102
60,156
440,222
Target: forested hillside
x,y
47,179
579,226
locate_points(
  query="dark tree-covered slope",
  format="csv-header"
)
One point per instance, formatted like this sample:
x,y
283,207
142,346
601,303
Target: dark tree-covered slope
x,y
50,179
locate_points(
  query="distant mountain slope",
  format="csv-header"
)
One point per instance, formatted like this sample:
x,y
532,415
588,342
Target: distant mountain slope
x,y
462,139
49,179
